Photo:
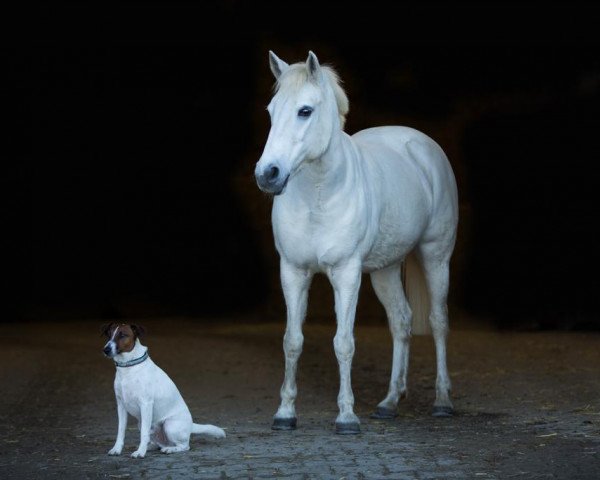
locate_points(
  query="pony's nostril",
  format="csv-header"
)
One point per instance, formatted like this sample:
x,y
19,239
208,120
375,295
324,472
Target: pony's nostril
x,y
273,173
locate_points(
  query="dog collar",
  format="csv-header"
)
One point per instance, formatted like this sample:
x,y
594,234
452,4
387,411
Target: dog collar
x,y
135,361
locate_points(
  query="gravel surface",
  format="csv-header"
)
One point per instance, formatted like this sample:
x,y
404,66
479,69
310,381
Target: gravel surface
x,y
528,405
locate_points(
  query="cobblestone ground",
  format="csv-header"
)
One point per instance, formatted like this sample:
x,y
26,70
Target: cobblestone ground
x,y
528,405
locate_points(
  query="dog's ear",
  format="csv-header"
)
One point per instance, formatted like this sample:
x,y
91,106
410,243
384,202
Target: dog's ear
x,y
138,330
106,328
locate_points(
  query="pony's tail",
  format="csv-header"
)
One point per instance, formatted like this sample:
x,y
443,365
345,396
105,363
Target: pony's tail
x,y
208,430
417,293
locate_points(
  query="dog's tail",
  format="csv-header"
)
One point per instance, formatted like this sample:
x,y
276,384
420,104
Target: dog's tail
x,y
208,430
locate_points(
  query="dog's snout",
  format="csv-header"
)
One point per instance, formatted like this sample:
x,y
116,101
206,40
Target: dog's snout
x,y
108,350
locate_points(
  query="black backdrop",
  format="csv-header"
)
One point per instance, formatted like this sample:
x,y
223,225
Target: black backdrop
x,y
137,126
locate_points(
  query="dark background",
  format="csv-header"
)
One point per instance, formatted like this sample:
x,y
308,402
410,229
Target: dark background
x,y
132,146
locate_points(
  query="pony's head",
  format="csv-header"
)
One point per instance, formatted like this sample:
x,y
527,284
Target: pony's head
x,y
308,106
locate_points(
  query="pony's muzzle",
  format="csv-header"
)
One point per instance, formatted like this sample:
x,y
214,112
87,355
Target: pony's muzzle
x,y
270,179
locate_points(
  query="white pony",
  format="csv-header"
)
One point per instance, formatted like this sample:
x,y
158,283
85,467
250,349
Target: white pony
x,y
347,205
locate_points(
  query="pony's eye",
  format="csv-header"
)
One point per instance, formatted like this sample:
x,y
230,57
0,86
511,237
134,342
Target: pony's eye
x,y
305,112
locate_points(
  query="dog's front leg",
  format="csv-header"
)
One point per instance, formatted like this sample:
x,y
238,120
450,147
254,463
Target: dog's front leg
x,y
122,415
145,425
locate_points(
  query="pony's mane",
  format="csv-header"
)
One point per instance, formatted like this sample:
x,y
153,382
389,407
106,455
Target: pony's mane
x,y
297,75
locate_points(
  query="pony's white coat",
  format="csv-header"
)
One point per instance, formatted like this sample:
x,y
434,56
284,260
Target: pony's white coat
x,y
347,205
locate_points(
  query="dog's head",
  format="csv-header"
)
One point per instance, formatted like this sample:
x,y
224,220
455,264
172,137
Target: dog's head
x,y
121,337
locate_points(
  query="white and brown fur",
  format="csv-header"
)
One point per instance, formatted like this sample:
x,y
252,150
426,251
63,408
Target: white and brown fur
x,y
146,392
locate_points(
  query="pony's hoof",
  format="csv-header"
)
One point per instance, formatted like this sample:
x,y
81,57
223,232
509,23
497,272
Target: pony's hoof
x,y
442,412
350,428
382,413
284,423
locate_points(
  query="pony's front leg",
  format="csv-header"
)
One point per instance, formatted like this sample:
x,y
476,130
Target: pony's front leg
x,y
346,280
295,283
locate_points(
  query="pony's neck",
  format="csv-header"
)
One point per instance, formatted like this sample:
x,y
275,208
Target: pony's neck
x,y
335,169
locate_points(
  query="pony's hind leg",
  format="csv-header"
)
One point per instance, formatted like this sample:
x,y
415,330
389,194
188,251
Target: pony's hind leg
x,y
295,283
436,267
388,287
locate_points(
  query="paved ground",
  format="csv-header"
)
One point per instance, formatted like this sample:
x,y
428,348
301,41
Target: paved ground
x,y
528,405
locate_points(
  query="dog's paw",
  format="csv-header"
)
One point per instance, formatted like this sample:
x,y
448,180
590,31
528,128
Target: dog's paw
x,y
115,451
138,454
178,448
168,450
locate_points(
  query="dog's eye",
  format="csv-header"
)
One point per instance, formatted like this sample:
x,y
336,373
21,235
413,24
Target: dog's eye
x,y
122,335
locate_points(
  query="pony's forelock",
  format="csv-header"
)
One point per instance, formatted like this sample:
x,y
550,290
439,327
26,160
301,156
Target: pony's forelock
x,y
297,75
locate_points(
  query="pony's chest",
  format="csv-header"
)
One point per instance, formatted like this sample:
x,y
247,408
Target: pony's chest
x,y
316,239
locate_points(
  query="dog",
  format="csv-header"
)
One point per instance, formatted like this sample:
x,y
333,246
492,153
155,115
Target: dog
x,y
144,391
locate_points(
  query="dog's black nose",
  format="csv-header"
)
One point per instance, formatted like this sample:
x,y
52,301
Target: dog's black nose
x,y
106,350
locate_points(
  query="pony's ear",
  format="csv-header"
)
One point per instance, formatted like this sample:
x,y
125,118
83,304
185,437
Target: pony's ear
x,y
138,330
277,65
105,329
313,66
